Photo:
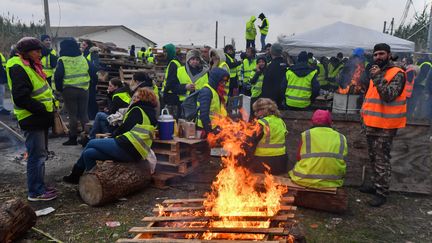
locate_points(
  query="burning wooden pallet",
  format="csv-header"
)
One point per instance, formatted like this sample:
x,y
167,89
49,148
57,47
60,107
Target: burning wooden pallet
x,y
182,220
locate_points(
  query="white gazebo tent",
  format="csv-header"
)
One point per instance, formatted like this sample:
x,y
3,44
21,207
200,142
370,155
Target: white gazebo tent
x,y
341,37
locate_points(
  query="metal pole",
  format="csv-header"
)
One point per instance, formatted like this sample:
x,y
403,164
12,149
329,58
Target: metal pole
x,y
429,41
216,39
385,25
47,18
224,41
391,26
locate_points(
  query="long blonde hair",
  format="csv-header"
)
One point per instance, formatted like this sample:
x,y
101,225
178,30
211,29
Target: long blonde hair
x,y
267,105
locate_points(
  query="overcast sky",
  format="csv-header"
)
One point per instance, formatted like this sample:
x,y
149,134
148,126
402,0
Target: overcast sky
x,y
186,22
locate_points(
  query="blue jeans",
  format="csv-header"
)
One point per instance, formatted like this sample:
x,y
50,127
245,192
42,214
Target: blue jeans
x,y
35,145
100,124
102,149
263,37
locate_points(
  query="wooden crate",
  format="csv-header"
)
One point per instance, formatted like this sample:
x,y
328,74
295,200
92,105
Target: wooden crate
x,y
163,227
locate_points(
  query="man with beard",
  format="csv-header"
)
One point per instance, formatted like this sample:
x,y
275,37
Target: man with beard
x,y
383,112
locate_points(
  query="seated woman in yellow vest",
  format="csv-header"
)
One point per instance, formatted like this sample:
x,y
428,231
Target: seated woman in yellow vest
x,y
321,157
269,142
130,142
118,97
211,101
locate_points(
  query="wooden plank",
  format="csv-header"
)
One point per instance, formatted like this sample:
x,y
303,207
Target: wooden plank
x,y
182,209
284,217
158,230
169,240
200,200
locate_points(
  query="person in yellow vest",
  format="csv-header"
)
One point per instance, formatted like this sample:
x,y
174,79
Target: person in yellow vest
x,y
72,77
131,142
142,80
269,142
258,78
141,54
193,72
418,102
264,28
149,55
321,155
334,68
383,113
250,32
246,71
211,100
234,66
33,107
118,97
49,57
3,81
218,60
323,72
301,86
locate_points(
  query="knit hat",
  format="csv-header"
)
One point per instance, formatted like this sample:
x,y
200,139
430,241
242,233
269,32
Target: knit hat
x,y
193,53
44,37
27,44
276,49
321,117
302,57
359,52
382,47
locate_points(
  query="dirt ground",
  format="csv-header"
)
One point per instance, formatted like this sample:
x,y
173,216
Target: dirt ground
x,y
405,218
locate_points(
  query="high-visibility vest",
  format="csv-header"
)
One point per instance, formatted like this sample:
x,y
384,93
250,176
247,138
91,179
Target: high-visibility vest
x,y
76,72
381,114
140,55
273,141
124,96
247,69
216,108
3,60
46,63
334,72
250,30
322,75
299,89
264,31
140,136
409,85
88,57
322,161
423,81
41,92
233,71
225,66
149,55
184,78
172,62
156,90
257,87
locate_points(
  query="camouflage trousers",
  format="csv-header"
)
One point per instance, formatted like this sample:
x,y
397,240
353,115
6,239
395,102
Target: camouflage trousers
x,y
379,170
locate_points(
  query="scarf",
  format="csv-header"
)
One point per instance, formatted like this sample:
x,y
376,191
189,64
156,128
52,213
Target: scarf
x,y
37,66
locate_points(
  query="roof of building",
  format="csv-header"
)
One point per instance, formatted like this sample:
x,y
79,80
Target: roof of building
x,y
78,31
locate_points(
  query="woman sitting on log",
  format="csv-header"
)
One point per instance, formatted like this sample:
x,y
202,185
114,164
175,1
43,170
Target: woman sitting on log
x,y
130,142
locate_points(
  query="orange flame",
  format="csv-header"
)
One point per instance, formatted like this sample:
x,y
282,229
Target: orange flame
x,y
354,87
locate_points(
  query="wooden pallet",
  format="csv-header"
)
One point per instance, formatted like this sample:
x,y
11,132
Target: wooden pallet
x,y
126,75
190,228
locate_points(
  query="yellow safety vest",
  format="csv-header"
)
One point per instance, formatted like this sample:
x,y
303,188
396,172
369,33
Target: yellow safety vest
x,y
216,108
233,71
3,60
250,30
273,141
299,89
184,78
76,72
334,72
156,90
257,87
41,92
321,75
124,96
264,31
247,69
423,82
46,63
177,63
140,55
322,161
141,135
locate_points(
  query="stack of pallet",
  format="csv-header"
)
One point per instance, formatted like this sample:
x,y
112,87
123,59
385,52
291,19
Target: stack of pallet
x,y
177,157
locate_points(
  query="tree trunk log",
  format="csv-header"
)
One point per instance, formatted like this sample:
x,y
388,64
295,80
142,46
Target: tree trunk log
x,y
109,181
16,217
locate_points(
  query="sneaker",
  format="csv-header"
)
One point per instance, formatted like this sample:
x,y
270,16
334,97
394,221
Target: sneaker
x,y
4,112
47,196
50,189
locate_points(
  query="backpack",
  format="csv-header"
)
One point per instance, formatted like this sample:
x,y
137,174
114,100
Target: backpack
x,y
189,107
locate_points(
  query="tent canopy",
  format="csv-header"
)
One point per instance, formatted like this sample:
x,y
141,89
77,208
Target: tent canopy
x,y
341,37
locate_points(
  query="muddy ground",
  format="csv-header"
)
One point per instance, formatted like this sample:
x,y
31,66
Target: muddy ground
x,y
405,218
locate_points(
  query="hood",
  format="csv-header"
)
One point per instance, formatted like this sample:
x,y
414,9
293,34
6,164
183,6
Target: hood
x,y
220,53
121,90
149,109
170,50
216,75
69,47
301,69
252,18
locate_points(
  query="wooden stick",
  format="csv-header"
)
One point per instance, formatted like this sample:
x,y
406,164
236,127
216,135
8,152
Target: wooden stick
x,y
157,230
17,135
168,240
182,209
46,235
199,200
207,218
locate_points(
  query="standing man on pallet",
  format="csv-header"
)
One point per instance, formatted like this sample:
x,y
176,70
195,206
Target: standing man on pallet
x,y
250,32
263,30
383,112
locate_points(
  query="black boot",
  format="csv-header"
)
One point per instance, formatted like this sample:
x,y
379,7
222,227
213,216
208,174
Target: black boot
x,y
72,141
74,176
84,140
377,200
367,189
